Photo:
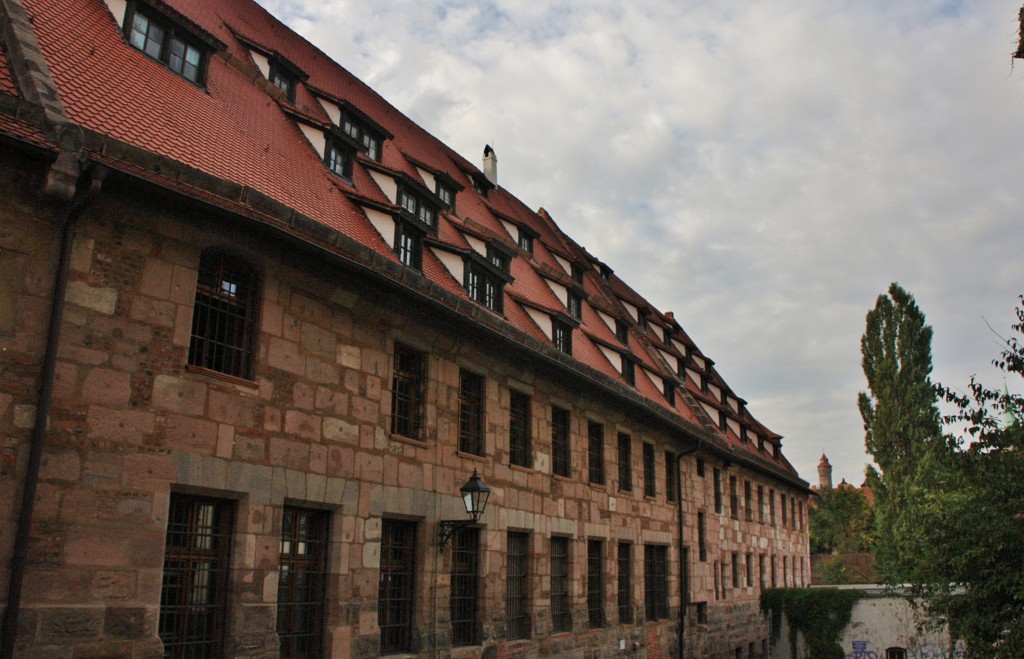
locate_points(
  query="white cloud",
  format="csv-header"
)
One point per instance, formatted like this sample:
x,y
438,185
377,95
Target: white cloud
x,y
764,169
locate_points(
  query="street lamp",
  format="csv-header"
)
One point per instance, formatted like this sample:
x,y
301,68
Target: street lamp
x,y
474,495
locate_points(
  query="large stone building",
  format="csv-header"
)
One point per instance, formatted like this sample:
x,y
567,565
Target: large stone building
x,y
257,328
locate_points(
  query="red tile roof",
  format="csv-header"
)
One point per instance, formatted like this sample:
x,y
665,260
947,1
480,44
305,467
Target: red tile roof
x,y
238,128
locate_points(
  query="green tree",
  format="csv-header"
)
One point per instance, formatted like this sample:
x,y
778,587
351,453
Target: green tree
x,y
840,522
901,417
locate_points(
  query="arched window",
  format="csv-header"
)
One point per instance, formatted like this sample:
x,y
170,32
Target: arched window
x,y
223,322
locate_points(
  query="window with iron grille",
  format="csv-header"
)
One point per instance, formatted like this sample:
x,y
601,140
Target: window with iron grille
x,y
517,586
650,488
656,581
771,505
671,470
734,498
561,610
760,571
223,320
302,581
519,450
561,462
409,244
169,44
595,583
471,412
718,490
193,597
625,462
625,565
782,498
750,570
465,586
748,502
407,392
735,570
595,452
702,536
760,503
395,594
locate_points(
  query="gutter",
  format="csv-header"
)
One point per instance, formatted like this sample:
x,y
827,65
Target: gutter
x,y
684,580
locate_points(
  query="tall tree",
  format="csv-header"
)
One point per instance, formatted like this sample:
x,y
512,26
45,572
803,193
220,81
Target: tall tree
x,y
901,416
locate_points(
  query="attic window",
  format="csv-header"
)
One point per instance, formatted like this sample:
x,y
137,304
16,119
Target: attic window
x,y
576,272
409,244
167,43
574,303
606,272
484,285
561,336
525,240
446,194
421,209
642,318
499,258
370,139
621,331
670,393
283,80
338,157
628,370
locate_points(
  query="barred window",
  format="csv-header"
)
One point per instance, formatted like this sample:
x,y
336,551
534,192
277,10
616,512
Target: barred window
x,y
193,597
471,412
223,320
302,581
465,586
650,487
561,463
517,587
519,429
625,462
702,535
760,503
395,601
771,505
748,502
718,490
735,570
671,470
561,610
625,565
595,452
407,392
734,498
595,583
656,581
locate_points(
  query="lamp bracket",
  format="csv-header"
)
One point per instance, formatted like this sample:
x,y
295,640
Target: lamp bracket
x,y
446,528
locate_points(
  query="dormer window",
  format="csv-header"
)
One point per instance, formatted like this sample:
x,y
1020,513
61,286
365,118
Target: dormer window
x,y
574,303
576,272
338,157
485,282
525,240
283,80
369,138
499,258
446,194
418,207
621,331
670,393
409,244
642,318
628,370
167,43
606,272
561,336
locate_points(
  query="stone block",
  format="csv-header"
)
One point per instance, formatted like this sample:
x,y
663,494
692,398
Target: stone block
x,y
60,465
156,279
65,625
106,387
303,425
284,453
349,356
183,285
179,395
85,547
321,372
232,408
182,335
318,341
153,312
339,430
81,254
250,449
112,584
126,622
194,435
285,355
128,426
100,299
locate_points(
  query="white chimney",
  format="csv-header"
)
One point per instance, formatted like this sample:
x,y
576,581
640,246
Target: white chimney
x,y
490,165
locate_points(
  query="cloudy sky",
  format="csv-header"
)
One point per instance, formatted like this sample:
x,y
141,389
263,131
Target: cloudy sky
x,y
762,168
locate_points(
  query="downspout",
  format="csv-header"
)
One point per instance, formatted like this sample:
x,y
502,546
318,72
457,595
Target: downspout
x,y
82,197
684,582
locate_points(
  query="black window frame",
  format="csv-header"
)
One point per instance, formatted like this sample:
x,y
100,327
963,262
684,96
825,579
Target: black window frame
x,y
700,467
560,558
284,80
734,498
197,560
369,140
735,569
499,258
409,243
520,450
396,593
339,157
525,240
302,581
628,370
717,474
622,331
408,386
484,286
671,476
464,599
417,206
472,398
223,335
748,501
760,504
625,455
595,453
595,584
624,560
445,193
561,336
574,303
561,442
650,471
172,31
702,536
656,582
517,585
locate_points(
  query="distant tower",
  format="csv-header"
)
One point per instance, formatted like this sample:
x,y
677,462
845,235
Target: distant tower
x,y
824,474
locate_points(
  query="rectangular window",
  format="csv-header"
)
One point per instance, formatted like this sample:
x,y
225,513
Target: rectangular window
x,y
800,518
445,193
650,488
561,611
782,498
760,503
471,412
561,336
750,570
395,599
735,570
792,512
734,498
700,468
725,593
165,42
774,582
771,505
361,134
702,536
283,81
625,565
224,316
671,470
339,157
718,490
595,583
417,206
785,571
718,580
748,502
595,452
561,463
407,392
576,272
702,613
302,582
517,586
574,304
485,287
499,258
193,597
761,572
622,331
625,462
656,581
465,586
409,244
525,240
519,429
628,370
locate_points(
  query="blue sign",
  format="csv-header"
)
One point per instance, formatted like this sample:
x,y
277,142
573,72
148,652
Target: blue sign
x,y
860,645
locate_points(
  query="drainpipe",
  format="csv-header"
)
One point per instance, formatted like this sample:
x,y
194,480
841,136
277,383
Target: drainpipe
x,y
80,201
684,585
